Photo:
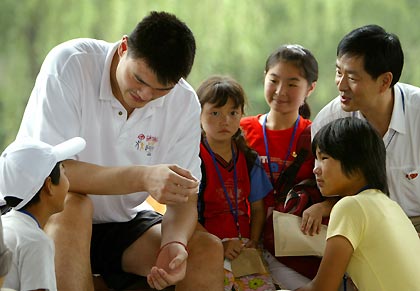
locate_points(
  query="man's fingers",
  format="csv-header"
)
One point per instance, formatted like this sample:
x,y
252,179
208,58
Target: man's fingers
x,y
184,177
183,172
156,278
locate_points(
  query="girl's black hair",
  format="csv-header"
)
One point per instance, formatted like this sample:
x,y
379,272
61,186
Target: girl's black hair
x,y
358,147
218,90
303,59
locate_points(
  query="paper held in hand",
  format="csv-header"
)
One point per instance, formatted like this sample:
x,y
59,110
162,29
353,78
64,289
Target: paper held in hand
x,y
247,263
289,240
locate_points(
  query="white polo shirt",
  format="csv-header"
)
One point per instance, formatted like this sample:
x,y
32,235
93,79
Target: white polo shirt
x,y
402,141
73,97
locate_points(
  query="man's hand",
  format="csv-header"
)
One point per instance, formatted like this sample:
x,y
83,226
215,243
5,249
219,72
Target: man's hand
x,y
170,184
170,266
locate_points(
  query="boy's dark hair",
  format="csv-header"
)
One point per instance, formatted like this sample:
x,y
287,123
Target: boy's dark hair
x,y
55,179
358,146
303,59
381,50
218,90
166,44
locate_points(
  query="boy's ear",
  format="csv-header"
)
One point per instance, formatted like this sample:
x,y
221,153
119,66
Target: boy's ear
x,y
47,187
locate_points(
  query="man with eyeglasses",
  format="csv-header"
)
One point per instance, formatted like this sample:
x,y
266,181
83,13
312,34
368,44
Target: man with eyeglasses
x,y
141,122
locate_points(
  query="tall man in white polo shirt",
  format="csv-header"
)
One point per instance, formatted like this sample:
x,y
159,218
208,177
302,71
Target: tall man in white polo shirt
x,y
369,65
141,122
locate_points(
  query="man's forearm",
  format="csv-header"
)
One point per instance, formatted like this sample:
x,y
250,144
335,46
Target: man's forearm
x,y
179,222
89,178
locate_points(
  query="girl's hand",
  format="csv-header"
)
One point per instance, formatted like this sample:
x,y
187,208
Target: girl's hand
x,y
312,219
232,248
252,244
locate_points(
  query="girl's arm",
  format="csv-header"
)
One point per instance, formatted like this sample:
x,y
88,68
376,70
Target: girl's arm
x,y
338,252
257,223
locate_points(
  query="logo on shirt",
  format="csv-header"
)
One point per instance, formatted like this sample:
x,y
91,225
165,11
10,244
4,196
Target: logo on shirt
x,y
146,143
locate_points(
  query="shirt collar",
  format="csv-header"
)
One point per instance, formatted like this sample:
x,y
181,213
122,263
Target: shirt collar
x,y
397,122
105,92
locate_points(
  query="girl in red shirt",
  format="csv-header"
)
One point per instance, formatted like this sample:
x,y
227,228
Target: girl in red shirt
x,y
233,183
291,73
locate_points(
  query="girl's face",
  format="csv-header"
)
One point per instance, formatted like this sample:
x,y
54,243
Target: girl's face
x,y
220,123
331,179
285,88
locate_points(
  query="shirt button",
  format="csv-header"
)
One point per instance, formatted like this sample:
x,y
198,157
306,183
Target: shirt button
x,y
120,113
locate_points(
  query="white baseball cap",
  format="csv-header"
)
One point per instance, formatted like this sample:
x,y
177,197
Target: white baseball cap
x,y
26,163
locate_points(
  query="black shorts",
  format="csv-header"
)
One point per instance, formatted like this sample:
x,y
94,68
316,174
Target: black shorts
x,y
110,240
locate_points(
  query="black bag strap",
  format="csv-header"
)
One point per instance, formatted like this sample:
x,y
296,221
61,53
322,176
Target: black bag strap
x,y
286,180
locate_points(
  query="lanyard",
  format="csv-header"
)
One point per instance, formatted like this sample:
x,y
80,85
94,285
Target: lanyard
x,y
234,212
30,215
288,150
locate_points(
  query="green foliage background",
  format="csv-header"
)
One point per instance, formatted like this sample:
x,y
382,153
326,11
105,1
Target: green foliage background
x,y
233,37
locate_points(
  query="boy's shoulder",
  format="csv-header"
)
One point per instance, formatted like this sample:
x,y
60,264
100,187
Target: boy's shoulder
x,y
23,228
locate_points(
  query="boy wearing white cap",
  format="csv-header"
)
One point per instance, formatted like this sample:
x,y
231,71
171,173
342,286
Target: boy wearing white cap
x,y
34,184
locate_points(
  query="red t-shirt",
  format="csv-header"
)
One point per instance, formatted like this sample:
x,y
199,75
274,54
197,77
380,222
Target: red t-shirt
x,y
278,144
217,215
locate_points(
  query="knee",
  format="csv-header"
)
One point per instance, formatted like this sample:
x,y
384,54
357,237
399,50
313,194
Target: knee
x,y
78,212
79,204
204,244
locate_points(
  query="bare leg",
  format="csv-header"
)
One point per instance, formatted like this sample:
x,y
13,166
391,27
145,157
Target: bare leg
x,y
143,250
205,264
71,231
205,259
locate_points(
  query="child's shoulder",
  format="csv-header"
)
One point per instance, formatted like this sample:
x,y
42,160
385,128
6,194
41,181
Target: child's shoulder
x,y
249,120
304,123
22,225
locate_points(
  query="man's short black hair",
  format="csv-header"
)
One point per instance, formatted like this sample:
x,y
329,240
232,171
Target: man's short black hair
x,y
166,44
381,50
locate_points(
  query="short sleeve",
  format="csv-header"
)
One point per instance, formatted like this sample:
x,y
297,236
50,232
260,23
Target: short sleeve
x,y
39,255
260,184
347,219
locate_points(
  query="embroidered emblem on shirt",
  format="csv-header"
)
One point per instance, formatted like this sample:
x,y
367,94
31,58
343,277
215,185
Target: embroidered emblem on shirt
x,y
411,175
146,143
